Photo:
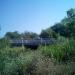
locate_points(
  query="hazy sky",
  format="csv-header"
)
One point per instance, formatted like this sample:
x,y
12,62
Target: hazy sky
x,y
31,15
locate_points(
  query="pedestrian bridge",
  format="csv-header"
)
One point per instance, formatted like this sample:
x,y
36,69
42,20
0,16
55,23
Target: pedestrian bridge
x,y
31,42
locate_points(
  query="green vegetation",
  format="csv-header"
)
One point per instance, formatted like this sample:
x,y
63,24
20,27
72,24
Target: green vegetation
x,y
19,61
55,59
60,51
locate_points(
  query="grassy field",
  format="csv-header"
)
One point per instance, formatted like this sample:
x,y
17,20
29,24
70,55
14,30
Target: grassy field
x,y
55,59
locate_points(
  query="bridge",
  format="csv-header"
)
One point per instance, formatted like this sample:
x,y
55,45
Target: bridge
x,y
31,43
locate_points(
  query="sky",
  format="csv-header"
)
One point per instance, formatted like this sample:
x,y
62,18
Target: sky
x,y
31,15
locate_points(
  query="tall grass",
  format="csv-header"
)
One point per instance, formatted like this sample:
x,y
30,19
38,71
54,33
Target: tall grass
x,y
22,61
15,61
60,51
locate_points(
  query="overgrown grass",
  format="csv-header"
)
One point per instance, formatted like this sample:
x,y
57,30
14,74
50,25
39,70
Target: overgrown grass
x,y
60,51
43,61
15,61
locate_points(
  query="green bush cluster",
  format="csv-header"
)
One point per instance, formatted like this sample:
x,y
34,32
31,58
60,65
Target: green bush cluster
x,y
60,51
15,61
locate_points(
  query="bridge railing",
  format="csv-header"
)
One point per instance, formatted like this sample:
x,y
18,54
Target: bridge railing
x,y
32,41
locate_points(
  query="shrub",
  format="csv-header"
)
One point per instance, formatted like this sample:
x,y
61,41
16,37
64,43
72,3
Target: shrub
x,y
60,51
46,66
15,61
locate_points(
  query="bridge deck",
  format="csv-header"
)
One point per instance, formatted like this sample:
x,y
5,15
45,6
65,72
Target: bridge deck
x,y
32,42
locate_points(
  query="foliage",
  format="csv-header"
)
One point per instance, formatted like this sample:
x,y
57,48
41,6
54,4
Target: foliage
x,y
4,43
45,66
29,35
12,35
66,27
60,51
15,61
16,35
60,29
48,33
19,61
71,13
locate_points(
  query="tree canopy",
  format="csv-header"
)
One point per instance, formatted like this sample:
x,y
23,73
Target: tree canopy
x,y
66,27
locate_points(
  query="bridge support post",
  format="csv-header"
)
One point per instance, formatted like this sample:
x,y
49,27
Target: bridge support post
x,y
22,44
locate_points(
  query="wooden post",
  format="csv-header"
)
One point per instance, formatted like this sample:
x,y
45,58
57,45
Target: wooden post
x,y
22,43
41,41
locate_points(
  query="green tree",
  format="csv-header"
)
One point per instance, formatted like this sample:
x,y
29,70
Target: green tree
x,y
60,29
71,13
48,33
29,35
66,27
71,29
12,35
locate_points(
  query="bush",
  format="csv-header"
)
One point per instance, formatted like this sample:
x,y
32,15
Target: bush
x,y
46,66
15,61
60,51
4,43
